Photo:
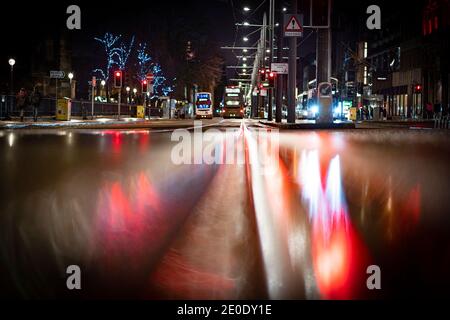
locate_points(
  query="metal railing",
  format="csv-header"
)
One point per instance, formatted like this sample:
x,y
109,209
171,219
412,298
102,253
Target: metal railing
x,y
442,122
79,108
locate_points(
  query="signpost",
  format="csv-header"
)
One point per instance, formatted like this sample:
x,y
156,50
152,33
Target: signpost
x,y
94,84
280,68
293,25
57,75
293,28
150,77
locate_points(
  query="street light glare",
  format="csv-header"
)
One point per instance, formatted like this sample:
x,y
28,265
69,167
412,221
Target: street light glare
x,y
246,9
245,39
246,23
284,9
70,75
12,62
103,82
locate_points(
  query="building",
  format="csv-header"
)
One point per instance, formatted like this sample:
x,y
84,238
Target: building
x,y
406,62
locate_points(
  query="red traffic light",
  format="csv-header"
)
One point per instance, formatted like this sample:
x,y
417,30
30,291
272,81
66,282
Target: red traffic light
x,y
144,84
118,79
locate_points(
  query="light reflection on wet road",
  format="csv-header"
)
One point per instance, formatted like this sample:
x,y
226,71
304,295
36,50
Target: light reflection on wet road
x,y
301,218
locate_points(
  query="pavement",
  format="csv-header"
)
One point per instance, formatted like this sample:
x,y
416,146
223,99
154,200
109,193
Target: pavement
x,y
170,124
368,124
104,123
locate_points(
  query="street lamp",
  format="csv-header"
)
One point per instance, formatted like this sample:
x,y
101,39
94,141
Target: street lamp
x,y
12,62
103,83
128,93
70,76
245,39
246,24
246,9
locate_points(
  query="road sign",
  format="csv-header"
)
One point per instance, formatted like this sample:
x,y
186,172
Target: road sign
x,y
293,25
280,68
150,77
57,74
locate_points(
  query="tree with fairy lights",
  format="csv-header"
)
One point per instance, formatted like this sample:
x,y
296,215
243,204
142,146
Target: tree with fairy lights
x,y
146,65
121,55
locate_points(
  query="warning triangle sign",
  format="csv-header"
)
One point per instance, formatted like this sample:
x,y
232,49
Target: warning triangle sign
x,y
293,25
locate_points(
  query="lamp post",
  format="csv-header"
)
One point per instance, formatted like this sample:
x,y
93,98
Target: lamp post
x,y
128,93
12,62
70,76
134,94
103,93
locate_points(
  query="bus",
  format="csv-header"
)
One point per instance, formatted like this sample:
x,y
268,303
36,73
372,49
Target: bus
x,y
233,103
204,105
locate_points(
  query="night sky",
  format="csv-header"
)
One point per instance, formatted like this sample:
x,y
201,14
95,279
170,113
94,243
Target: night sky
x,y
162,24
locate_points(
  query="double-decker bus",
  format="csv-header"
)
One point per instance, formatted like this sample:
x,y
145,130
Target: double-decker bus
x,y
233,103
204,105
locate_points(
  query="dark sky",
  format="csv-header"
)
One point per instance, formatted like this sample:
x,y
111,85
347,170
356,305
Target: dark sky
x,y
212,21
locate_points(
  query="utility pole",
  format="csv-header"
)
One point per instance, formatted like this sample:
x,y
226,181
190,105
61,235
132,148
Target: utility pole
x,y
271,38
323,73
118,105
261,105
280,77
292,76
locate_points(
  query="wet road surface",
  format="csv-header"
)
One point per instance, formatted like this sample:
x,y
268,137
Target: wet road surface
x,y
258,214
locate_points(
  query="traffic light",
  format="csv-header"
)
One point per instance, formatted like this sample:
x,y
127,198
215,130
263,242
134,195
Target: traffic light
x,y
118,79
144,84
272,79
263,74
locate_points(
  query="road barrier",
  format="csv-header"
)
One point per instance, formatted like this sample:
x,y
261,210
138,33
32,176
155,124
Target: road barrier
x,y
79,108
442,122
